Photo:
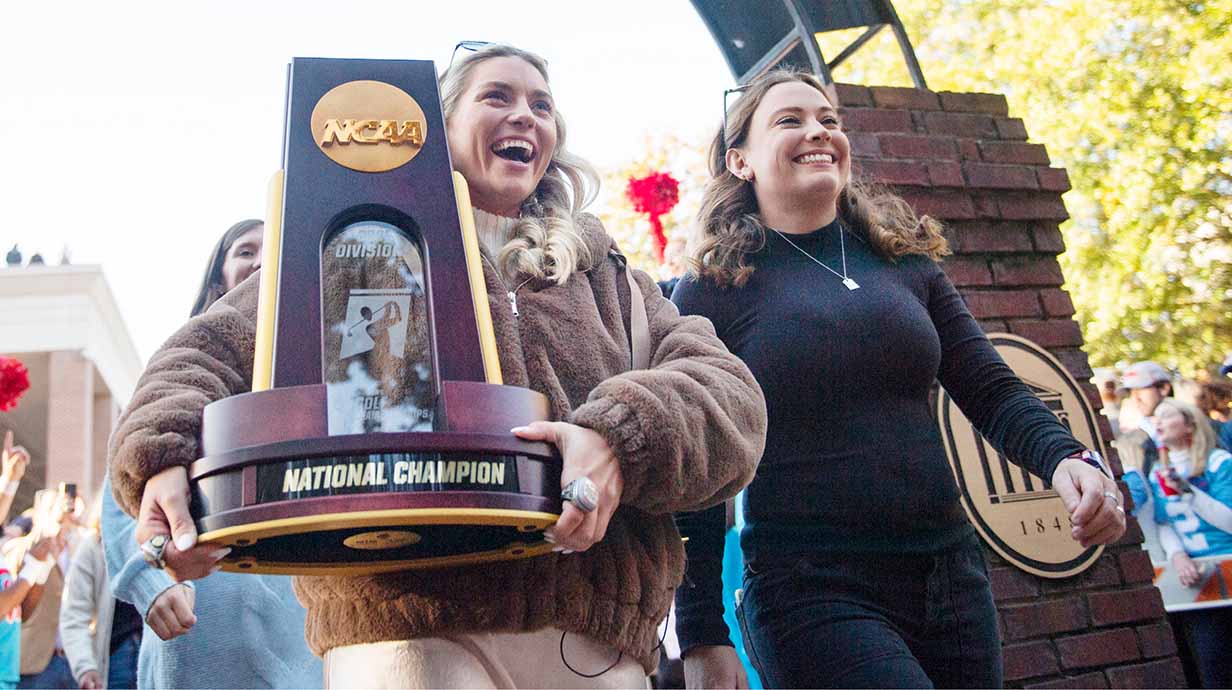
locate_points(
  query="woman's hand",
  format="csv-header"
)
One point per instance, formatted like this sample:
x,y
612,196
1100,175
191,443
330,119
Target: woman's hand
x,y
164,510
1171,479
13,461
42,549
171,614
1186,570
714,666
90,680
585,454
1093,501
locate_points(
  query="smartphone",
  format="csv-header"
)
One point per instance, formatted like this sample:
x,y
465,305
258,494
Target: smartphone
x,y
68,494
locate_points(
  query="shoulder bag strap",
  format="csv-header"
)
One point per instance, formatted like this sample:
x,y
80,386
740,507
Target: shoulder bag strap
x,y
639,322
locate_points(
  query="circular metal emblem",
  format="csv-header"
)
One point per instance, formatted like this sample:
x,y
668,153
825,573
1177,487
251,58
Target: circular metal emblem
x,y
384,539
368,126
1016,513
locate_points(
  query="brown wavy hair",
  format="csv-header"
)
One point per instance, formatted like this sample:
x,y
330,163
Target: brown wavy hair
x,y
729,224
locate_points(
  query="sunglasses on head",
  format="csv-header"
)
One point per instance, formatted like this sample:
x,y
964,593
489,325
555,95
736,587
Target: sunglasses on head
x,y
726,93
470,46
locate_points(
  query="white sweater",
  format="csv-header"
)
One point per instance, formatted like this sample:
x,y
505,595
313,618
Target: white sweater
x,y
86,610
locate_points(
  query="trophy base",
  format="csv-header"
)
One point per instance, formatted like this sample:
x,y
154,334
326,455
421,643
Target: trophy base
x,y
291,500
377,541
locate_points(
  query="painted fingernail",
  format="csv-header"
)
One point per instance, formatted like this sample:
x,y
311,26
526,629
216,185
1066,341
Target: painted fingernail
x,y
549,538
221,553
566,552
185,542
518,429
558,549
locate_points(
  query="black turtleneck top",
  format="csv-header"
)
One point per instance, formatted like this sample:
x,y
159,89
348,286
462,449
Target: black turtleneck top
x,y
854,460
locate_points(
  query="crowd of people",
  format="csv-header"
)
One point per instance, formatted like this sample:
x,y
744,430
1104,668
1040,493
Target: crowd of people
x,y
1173,438
54,592
795,358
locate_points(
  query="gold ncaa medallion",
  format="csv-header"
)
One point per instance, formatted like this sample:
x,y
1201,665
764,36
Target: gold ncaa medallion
x,y
368,126
1014,511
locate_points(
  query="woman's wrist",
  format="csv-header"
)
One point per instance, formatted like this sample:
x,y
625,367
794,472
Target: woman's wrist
x,y
35,571
1093,459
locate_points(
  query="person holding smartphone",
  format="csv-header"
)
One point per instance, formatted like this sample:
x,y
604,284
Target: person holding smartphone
x,y
42,663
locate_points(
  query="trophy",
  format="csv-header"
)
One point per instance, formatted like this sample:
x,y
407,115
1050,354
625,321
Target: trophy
x,y
376,436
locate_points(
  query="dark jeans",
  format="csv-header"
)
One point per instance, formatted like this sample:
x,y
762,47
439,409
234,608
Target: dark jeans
x,y
1206,637
56,675
863,621
122,664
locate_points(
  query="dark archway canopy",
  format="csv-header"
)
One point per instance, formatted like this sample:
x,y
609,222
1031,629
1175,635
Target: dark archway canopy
x,y
758,36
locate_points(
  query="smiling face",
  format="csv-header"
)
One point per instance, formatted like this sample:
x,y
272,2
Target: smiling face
x,y
502,133
1175,429
795,152
243,257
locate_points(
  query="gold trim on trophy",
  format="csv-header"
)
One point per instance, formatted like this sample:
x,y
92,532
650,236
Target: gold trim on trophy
x,y
479,289
267,297
524,520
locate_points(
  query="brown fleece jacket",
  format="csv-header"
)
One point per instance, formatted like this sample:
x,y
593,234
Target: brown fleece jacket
x,y
688,432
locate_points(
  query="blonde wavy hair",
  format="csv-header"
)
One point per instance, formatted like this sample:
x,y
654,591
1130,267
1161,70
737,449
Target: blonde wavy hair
x,y
730,229
546,242
1204,440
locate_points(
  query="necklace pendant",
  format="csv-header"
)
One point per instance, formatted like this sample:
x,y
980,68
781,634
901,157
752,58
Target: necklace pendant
x,y
851,284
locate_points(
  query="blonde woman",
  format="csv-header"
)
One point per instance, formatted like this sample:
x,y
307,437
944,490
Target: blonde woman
x,y
683,433
1190,487
862,570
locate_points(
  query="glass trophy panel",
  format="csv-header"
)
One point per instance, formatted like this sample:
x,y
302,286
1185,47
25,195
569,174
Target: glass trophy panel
x,y
377,359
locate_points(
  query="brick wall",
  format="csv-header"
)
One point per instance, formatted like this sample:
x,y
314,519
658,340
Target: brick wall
x,y
962,159
70,404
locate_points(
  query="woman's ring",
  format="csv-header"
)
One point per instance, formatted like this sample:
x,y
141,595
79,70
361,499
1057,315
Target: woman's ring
x,y
152,550
1115,497
582,493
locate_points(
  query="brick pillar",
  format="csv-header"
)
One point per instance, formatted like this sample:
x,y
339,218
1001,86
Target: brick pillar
x,y
962,159
104,413
70,418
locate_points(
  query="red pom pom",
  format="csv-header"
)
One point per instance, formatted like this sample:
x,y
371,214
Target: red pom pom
x,y
655,194
14,380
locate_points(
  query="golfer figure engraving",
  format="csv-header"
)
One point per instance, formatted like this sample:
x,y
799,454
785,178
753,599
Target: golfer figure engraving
x,y
375,325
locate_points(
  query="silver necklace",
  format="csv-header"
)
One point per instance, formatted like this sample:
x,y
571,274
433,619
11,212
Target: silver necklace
x,y
848,282
511,295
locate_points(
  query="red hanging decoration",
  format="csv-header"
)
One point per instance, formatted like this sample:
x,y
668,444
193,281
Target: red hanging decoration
x,y
655,194
14,380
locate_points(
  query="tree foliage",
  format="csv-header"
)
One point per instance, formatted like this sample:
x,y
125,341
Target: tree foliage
x,y
1134,98
686,161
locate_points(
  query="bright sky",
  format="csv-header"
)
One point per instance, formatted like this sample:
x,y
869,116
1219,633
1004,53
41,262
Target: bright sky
x,y
136,132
